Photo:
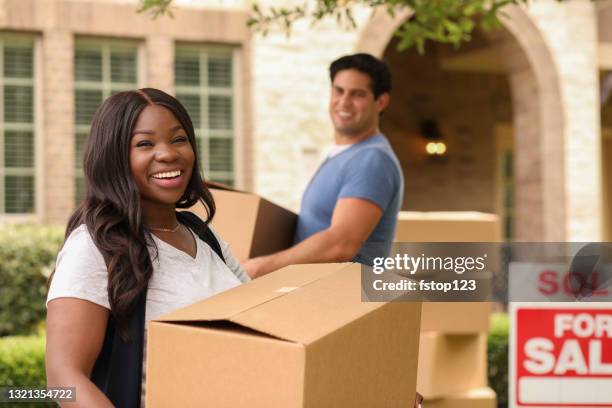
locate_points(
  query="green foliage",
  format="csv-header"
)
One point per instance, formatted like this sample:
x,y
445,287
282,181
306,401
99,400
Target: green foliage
x,y
498,357
155,7
27,254
22,361
22,364
445,21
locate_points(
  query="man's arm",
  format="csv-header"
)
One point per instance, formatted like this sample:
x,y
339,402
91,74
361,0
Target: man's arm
x,y
352,222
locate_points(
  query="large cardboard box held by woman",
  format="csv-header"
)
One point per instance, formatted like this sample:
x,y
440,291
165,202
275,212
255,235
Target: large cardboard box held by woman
x,y
300,337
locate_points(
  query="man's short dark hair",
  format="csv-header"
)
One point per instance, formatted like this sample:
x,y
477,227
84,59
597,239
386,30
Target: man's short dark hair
x,y
376,69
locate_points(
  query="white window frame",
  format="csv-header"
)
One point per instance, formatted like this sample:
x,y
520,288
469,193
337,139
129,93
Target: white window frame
x,y
106,86
203,91
34,127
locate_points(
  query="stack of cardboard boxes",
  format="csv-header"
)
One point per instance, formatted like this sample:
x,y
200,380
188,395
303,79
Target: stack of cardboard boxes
x,y
452,350
452,370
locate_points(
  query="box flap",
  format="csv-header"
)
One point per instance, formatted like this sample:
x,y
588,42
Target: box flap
x,y
228,304
312,311
220,186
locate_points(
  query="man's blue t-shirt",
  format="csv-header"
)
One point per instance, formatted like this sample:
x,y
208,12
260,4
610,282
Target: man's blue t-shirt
x,y
368,170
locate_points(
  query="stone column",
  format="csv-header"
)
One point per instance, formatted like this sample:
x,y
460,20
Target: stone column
x,y
570,30
159,63
58,125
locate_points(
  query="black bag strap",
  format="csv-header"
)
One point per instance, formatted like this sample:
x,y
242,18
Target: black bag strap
x,y
198,226
118,368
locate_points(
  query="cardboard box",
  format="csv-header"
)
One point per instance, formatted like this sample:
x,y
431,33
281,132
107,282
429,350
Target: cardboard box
x,y
253,226
450,364
455,317
299,337
476,398
413,226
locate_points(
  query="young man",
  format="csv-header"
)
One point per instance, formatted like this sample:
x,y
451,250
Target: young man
x,y
349,209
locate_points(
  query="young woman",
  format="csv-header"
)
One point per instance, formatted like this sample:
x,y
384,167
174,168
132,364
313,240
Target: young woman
x,y
129,256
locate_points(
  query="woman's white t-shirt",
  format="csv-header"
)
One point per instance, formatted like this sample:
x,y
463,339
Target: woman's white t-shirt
x,y
178,279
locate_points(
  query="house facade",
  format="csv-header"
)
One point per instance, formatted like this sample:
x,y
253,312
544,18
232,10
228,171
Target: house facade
x,y
522,111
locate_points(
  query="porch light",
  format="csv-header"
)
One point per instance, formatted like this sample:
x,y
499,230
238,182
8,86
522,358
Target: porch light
x,y
435,148
430,131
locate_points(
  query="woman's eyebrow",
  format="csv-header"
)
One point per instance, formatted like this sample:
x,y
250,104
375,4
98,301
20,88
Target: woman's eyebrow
x,y
146,132
151,132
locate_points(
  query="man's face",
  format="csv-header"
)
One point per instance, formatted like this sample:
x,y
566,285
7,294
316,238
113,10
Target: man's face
x,y
352,107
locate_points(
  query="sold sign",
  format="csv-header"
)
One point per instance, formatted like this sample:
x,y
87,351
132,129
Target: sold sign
x,y
561,355
553,282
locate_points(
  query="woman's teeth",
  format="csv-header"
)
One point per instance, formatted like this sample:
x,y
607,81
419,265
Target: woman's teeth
x,y
168,174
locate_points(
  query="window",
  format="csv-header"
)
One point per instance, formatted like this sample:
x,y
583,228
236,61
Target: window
x,y
17,167
101,68
204,82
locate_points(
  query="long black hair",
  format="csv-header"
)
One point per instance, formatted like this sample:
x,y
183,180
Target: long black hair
x,y
111,209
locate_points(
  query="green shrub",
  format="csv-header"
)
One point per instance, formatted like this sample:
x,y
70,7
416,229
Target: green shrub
x,y
27,254
22,361
22,364
498,357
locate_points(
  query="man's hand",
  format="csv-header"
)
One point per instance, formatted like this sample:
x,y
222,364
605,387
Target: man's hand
x,y
418,400
256,267
352,222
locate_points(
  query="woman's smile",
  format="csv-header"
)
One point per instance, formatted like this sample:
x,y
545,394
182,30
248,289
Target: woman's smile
x,y
168,179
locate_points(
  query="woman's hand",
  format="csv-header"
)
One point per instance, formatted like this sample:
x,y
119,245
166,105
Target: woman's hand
x,y
75,334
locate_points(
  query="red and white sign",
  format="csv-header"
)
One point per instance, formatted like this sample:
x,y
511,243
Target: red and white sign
x,y
561,355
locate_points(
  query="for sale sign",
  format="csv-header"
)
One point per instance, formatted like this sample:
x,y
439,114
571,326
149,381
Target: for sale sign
x,y
561,355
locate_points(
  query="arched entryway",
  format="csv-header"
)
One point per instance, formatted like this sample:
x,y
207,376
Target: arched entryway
x,y
496,104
